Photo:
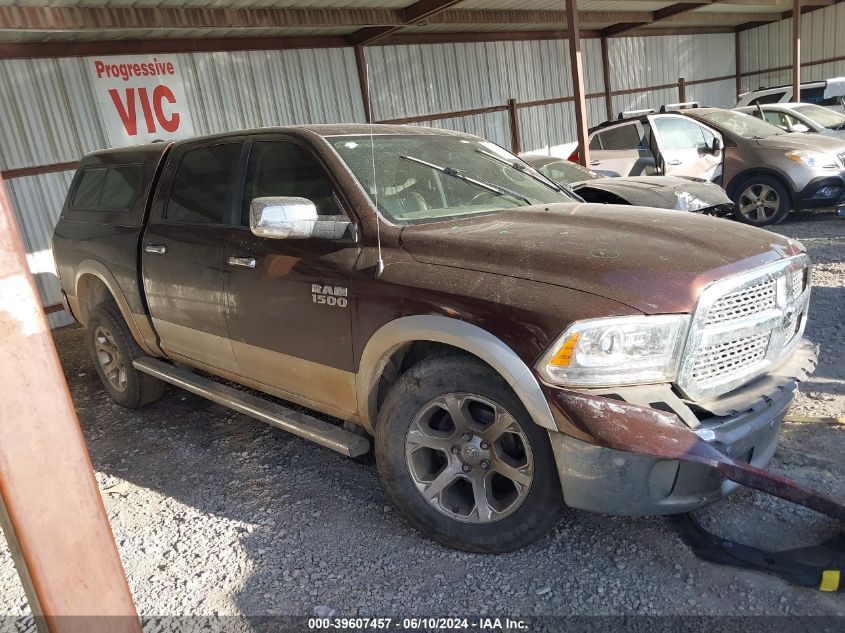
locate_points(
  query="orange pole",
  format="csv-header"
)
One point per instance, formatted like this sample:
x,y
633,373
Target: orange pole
x,y
51,512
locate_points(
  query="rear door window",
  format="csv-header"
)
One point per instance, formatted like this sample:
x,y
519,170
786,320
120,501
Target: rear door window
x,y
107,188
620,137
202,187
775,97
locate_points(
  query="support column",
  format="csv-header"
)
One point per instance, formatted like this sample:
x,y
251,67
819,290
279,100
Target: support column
x,y
682,90
738,61
50,505
513,117
796,50
361,63
605,66
577,68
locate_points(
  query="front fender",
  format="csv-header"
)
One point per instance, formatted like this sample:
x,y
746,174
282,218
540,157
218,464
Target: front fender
x,y
459,334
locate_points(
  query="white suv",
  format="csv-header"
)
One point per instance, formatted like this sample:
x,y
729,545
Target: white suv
x,y
829,93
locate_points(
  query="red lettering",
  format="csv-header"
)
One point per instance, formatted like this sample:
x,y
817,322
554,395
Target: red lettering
x,y
100,67
144,98
127,113
163,93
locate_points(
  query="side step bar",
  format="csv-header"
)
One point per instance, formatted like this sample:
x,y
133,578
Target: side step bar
x,y
287,419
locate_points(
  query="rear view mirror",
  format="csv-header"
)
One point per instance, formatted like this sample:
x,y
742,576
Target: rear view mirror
x,y
800,127
287,218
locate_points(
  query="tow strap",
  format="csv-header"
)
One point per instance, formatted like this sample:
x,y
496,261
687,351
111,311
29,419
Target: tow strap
x,y
820,566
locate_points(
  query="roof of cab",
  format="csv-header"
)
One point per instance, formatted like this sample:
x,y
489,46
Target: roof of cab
x,y
153,150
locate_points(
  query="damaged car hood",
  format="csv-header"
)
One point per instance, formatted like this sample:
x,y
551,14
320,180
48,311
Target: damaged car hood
x,y
665,192
656,261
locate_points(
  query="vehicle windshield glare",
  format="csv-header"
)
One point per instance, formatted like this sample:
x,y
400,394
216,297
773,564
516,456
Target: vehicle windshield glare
x,y
430,178
821,115
742,124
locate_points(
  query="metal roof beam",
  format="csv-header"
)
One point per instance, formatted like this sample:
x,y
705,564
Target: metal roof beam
x,y
75,18
412,14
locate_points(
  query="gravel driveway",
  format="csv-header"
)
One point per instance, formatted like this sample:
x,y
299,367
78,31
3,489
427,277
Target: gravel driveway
x,y
217,514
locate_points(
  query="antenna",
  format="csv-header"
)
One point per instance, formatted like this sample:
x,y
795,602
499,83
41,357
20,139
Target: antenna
x,y
380,267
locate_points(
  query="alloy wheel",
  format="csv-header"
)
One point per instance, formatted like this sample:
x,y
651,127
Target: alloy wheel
x,y
469,458
110,358
759,203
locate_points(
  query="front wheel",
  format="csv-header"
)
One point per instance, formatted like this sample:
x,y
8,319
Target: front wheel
x,y
460,456
761,200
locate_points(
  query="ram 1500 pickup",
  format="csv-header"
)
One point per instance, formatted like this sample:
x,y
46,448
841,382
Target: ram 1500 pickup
x,y
495,338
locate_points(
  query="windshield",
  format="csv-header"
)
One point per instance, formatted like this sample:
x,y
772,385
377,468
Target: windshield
x,y
566,172
742,124
821,115
428,178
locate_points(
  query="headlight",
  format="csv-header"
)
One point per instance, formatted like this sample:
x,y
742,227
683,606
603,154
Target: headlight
x,y
816,160
616,351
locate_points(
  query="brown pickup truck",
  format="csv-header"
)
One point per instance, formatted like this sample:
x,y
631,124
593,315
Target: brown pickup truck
x,y
505,346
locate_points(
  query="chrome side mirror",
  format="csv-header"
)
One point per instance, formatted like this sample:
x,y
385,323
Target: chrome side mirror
x,y
288,218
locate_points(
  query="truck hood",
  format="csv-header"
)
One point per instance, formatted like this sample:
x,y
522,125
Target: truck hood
x,y
664,192
797,140
655,261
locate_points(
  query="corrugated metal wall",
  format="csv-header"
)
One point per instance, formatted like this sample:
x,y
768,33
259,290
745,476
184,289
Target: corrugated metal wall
x,y
770,46
662,60
424,79
48,114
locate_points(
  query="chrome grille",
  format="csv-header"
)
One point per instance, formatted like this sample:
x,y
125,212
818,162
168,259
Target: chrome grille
x,y
729,357
743,326
743,303
842,158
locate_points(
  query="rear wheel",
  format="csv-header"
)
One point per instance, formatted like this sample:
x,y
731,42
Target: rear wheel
x,y
113,349
462,459
761,200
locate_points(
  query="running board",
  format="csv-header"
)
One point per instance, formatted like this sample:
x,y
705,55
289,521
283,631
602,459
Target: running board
x,y
285,418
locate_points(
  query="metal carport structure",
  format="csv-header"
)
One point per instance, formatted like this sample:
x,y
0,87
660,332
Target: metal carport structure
x,y
39,31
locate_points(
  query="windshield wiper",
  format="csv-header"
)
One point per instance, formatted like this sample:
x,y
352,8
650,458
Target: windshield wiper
x,y
461,175
521,169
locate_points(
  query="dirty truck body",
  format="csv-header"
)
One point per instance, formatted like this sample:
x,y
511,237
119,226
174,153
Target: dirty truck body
x,y
490,345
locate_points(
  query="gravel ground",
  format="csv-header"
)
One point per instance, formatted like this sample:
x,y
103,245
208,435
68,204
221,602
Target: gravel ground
x,y
217,514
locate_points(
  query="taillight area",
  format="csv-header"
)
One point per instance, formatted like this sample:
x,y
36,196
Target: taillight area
x,y
574,157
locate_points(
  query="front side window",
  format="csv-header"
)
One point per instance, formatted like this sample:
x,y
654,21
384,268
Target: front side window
x,y
428,178
677,133
201,189
107,188
283,169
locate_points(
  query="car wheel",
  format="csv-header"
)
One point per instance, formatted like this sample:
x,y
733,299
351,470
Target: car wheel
x,y
463,460
113,349
762,200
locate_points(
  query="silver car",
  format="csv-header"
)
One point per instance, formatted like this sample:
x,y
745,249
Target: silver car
x,y
801,117
765,171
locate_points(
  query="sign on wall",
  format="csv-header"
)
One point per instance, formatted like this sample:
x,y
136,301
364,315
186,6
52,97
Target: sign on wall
x,y
141,98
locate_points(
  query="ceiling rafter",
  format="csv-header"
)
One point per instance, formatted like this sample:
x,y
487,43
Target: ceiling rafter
x,y
420,10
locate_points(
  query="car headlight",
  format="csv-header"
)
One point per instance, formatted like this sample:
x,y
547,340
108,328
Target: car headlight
x,y
616,351
816,160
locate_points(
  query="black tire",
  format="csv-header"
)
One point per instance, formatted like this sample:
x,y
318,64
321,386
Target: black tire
x,y
743,195
526,520
108,337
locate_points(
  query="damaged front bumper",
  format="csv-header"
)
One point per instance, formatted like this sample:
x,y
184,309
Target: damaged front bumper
x,y
644,451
